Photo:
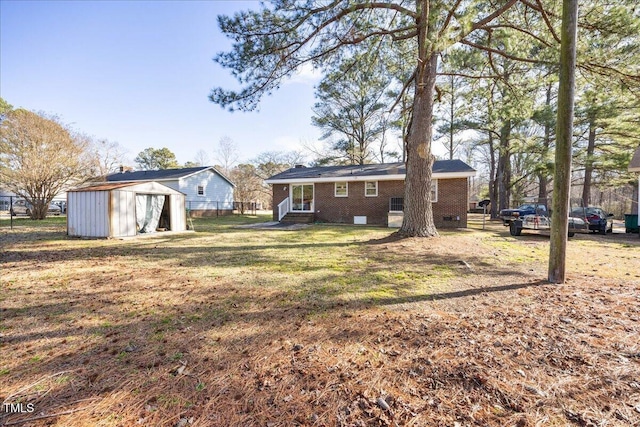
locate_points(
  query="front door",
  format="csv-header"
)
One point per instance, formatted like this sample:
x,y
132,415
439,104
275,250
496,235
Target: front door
x,y
302,197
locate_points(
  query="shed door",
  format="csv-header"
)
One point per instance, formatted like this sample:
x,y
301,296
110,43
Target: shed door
x,y
148,211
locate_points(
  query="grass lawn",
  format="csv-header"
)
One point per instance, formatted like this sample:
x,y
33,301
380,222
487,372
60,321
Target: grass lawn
x,y
320,326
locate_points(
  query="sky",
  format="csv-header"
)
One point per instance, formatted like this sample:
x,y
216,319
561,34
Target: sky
x,y
139,73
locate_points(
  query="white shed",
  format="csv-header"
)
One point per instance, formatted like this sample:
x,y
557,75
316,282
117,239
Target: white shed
x,y
122,209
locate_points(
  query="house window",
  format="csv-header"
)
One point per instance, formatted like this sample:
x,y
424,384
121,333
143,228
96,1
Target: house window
x,y
396,204
371,188
434,190
341,189
200,190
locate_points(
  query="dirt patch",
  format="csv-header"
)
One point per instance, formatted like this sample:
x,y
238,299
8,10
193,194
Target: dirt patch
x,y
322,326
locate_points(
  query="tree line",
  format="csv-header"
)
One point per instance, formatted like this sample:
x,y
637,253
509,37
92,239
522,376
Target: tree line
x,y
481,77
478,77
40,157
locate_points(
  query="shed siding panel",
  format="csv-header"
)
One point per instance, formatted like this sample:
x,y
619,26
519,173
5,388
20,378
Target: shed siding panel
x,y
126,213
130,218
72,214
99,214
86,207
90,219
101,207
115,214
86,214
178,216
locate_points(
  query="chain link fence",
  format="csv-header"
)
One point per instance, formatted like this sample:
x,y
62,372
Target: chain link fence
x,y
6,219
15,207
197,209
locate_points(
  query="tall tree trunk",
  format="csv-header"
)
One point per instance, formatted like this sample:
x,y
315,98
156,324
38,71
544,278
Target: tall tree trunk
x,y
503,175
451,117
418,212
543,176
406,125
493,185
588,165
362,143
564,133
542,187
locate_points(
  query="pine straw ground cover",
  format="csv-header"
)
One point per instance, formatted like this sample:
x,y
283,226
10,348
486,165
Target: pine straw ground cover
x,y
324,326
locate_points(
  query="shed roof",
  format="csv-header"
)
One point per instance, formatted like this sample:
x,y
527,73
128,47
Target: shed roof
x,y
148,187
162,174
634,164
388,171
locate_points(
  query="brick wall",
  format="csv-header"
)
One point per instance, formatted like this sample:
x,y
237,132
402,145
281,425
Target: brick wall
x,y
280,192
342,209
452,202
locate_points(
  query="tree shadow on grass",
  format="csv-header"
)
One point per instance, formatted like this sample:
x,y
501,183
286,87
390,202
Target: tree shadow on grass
x,y
121,340
135,357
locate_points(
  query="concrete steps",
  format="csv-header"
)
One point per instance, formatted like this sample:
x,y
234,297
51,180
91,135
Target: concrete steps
x,y
298,218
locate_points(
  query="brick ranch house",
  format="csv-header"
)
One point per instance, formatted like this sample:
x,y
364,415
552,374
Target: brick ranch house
x,y
367,194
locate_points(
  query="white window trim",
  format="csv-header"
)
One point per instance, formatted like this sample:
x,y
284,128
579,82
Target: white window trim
x,y
335,189
204,192
434,187
365,189
313,199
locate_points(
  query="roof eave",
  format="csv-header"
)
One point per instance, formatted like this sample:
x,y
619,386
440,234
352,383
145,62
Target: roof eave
x,y
177,178
397,177
213,169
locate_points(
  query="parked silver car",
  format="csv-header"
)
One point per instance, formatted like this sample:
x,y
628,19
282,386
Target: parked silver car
x,y
21,206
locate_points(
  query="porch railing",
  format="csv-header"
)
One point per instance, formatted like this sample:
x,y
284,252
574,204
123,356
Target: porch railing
x,y
283,208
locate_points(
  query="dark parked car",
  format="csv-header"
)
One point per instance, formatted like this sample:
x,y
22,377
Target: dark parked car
x,y
599,220
62,205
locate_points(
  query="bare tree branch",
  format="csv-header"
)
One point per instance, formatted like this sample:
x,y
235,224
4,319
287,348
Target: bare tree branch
x,y
405,86
522,30
492,16
470,76
447,20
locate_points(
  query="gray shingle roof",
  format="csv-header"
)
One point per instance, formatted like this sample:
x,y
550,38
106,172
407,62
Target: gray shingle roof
x,y
161,175
385,169
154,175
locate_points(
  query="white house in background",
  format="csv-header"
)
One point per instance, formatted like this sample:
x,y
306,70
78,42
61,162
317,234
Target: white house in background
x,y
5,197
207,191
